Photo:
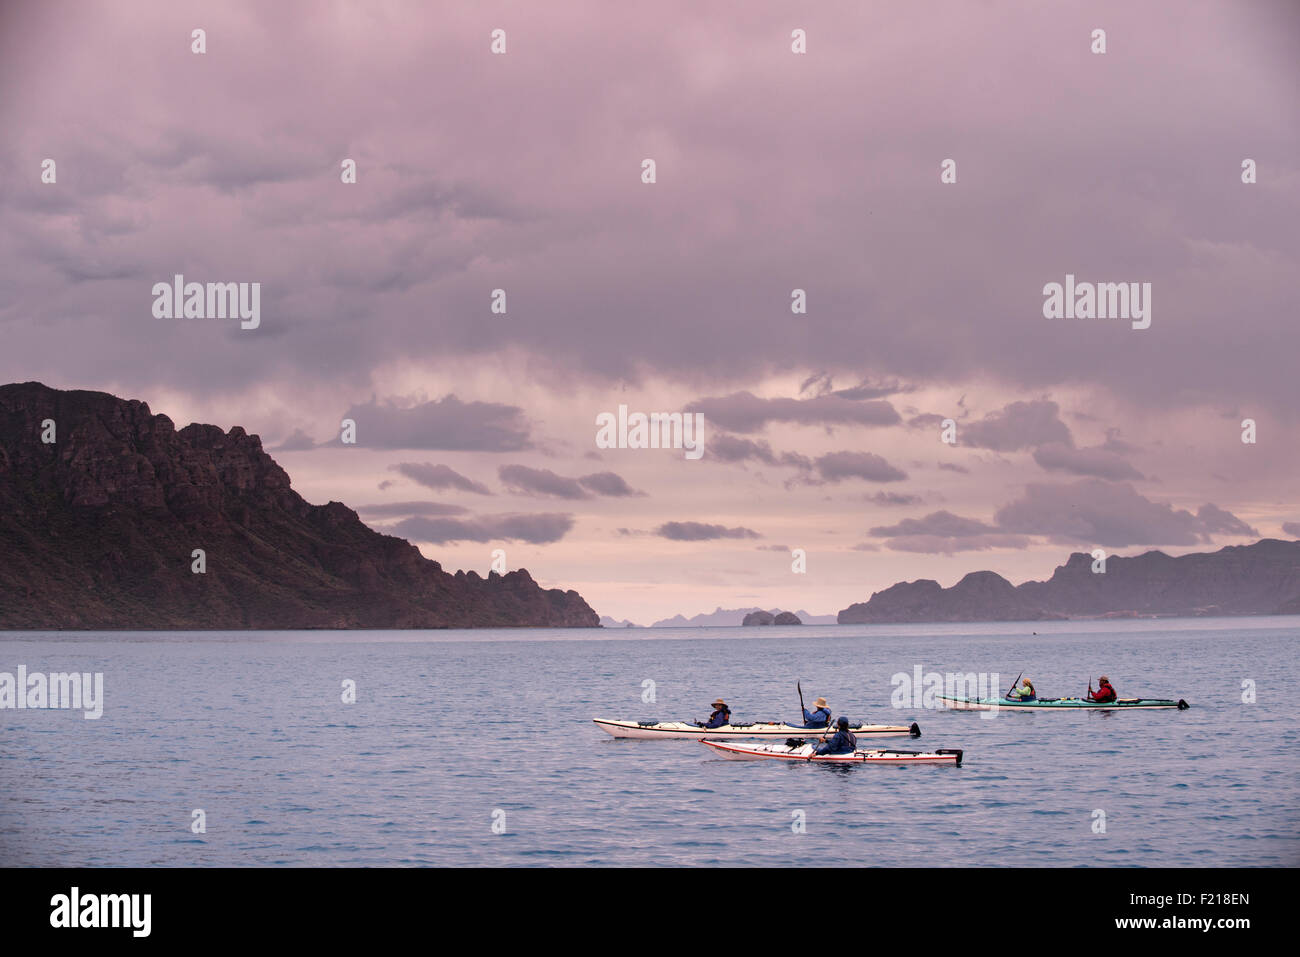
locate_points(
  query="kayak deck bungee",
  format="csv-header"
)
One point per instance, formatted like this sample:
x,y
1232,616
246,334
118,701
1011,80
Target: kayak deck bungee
x,y
1057,704
758,730
804,752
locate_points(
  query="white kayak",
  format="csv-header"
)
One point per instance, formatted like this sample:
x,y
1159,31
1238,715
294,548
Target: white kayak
x,y
759,730
804,752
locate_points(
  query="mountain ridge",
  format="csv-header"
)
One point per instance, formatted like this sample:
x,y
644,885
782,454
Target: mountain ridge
x,y
1262,578
100,526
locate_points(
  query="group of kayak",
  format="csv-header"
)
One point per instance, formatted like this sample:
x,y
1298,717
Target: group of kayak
x,y
836,739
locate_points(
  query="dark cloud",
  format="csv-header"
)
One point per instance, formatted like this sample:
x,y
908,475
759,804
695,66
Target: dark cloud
x,y
297,441
1216,521
446,424
1116,444
1098,462
927,420
537,529
838,466
733,448
1292,529
393,509
746,412
438,477
529,481
871,391
610,484
942,523
894,498
701,532
940,545
944,533
206,170
954,467
1020,425
1091,511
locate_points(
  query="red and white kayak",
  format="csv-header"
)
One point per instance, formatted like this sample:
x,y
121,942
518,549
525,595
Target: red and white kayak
x,y
759,730
804,752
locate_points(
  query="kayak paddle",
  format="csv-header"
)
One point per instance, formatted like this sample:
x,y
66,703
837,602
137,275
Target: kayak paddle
x,y
799,688
1013,684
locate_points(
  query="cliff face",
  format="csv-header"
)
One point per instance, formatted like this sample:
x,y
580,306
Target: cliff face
x,y
97,531
1258,579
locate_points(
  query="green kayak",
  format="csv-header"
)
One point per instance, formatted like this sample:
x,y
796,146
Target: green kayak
x,y
1057,704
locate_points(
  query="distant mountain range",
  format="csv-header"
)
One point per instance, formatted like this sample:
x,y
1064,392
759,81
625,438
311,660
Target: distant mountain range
x,y
98,529
724,617
1258,579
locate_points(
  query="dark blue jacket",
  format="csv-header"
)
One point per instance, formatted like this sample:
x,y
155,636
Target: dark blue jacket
x,y
719,718
841,742
816,719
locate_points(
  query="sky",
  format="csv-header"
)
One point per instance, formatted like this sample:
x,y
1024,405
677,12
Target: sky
x,y
774,171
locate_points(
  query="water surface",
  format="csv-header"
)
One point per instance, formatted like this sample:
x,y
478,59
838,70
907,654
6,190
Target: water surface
x,y
451,728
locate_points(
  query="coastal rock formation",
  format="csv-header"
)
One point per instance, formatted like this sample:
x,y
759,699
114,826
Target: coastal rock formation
x,y
760,617
99,529
1258,579
980,596
725,617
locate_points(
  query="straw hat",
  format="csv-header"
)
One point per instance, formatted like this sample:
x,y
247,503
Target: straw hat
x,y
820,703
1104,678
719,702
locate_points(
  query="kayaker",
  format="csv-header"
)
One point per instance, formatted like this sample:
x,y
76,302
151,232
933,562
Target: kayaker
x,y
721,715
1024,693
841,742
819,717
1104,692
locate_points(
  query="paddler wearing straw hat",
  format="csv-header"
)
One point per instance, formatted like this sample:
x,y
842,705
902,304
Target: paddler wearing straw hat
x,y
1104,693
721,715
819,717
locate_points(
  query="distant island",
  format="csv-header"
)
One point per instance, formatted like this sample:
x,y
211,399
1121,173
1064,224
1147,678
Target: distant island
x,y
1258,579
100,527
725,617
761,617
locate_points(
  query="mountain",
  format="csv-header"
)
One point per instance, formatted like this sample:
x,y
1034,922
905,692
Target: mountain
x,y
99,529
980,596
607,622
725,617
1258,579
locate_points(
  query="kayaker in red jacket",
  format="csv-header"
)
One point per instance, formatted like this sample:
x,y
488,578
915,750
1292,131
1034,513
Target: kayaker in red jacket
x,y
1104,693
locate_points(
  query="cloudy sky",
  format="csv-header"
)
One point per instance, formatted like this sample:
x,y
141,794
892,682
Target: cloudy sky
x,y
775,171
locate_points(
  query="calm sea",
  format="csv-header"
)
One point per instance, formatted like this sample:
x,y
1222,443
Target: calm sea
x,y
455,732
